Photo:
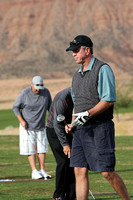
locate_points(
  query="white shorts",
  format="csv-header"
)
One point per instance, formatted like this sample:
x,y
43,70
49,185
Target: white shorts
x,y
27,139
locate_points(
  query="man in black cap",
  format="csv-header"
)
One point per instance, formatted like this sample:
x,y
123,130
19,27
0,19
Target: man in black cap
x,y
80,40
94,94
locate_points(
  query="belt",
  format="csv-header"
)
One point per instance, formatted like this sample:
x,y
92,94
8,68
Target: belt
x,y
89,122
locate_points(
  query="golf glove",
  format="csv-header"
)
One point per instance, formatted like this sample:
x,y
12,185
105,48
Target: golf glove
x,y
81,118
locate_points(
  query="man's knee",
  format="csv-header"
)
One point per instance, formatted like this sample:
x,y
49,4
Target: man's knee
x,y
108,175
80,171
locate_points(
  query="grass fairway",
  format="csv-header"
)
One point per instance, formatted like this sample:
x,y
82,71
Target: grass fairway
x,y
16,167
8,119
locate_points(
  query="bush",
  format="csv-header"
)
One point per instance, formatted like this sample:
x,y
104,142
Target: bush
x,y
124,96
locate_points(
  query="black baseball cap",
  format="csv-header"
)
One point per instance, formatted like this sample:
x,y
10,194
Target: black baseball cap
x,y
80,40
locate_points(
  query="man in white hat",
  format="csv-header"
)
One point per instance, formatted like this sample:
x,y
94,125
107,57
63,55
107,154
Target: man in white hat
x,y
30,108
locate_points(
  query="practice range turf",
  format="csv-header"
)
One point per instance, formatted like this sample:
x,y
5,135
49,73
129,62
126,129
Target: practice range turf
x,y
16,169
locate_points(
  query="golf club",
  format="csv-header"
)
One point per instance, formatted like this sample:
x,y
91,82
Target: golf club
x,y
45,178
61,118
91,194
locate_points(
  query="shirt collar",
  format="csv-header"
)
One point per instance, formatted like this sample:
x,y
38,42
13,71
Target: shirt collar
x,y
89,66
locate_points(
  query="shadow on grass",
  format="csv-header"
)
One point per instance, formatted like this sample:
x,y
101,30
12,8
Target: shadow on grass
x,y
108,198
123,170
16,177
13,164
20,179
42,199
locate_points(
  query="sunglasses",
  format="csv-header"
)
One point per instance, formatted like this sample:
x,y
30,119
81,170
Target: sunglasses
x,y
74,43
38,84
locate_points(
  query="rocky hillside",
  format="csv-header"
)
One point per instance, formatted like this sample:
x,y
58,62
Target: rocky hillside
x,y
35,33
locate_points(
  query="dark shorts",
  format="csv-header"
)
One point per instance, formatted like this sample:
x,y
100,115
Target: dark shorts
x,y
94,147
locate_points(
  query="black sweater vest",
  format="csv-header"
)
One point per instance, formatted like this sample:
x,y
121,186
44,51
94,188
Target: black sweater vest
x,y
85,88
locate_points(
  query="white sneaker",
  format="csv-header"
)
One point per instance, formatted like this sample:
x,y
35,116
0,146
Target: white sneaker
x,y
44,174
36,175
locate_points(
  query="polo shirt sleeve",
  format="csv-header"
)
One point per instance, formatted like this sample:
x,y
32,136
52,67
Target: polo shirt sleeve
x,y
106,84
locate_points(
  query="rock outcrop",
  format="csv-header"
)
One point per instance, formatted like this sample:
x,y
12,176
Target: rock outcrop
x,y
35,33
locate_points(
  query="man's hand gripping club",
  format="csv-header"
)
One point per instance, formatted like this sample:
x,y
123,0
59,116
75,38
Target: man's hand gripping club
x,y
81,118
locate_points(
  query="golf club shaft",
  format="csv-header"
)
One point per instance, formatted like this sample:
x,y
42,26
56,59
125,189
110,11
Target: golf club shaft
x,y
91,194
65,123
36,152
67,126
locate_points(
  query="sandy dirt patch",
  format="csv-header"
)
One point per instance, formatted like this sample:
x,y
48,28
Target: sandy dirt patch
x,y
9,89
10,131
123,124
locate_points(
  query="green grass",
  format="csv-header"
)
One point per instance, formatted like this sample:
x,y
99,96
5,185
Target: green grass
x,y
8,119
16,167
124,110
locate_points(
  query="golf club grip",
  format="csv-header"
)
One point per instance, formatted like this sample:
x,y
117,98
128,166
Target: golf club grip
x,y
68,126
65,123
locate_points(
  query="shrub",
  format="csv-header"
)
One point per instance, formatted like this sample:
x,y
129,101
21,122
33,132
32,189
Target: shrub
x,y
124,96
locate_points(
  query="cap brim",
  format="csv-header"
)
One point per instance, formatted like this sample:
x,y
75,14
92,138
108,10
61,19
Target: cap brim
x,y
73,48
38,87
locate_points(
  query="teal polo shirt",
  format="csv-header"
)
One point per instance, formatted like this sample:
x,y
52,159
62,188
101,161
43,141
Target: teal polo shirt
x,y
106,82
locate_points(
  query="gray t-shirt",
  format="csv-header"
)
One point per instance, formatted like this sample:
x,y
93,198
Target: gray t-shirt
x,y
33,107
